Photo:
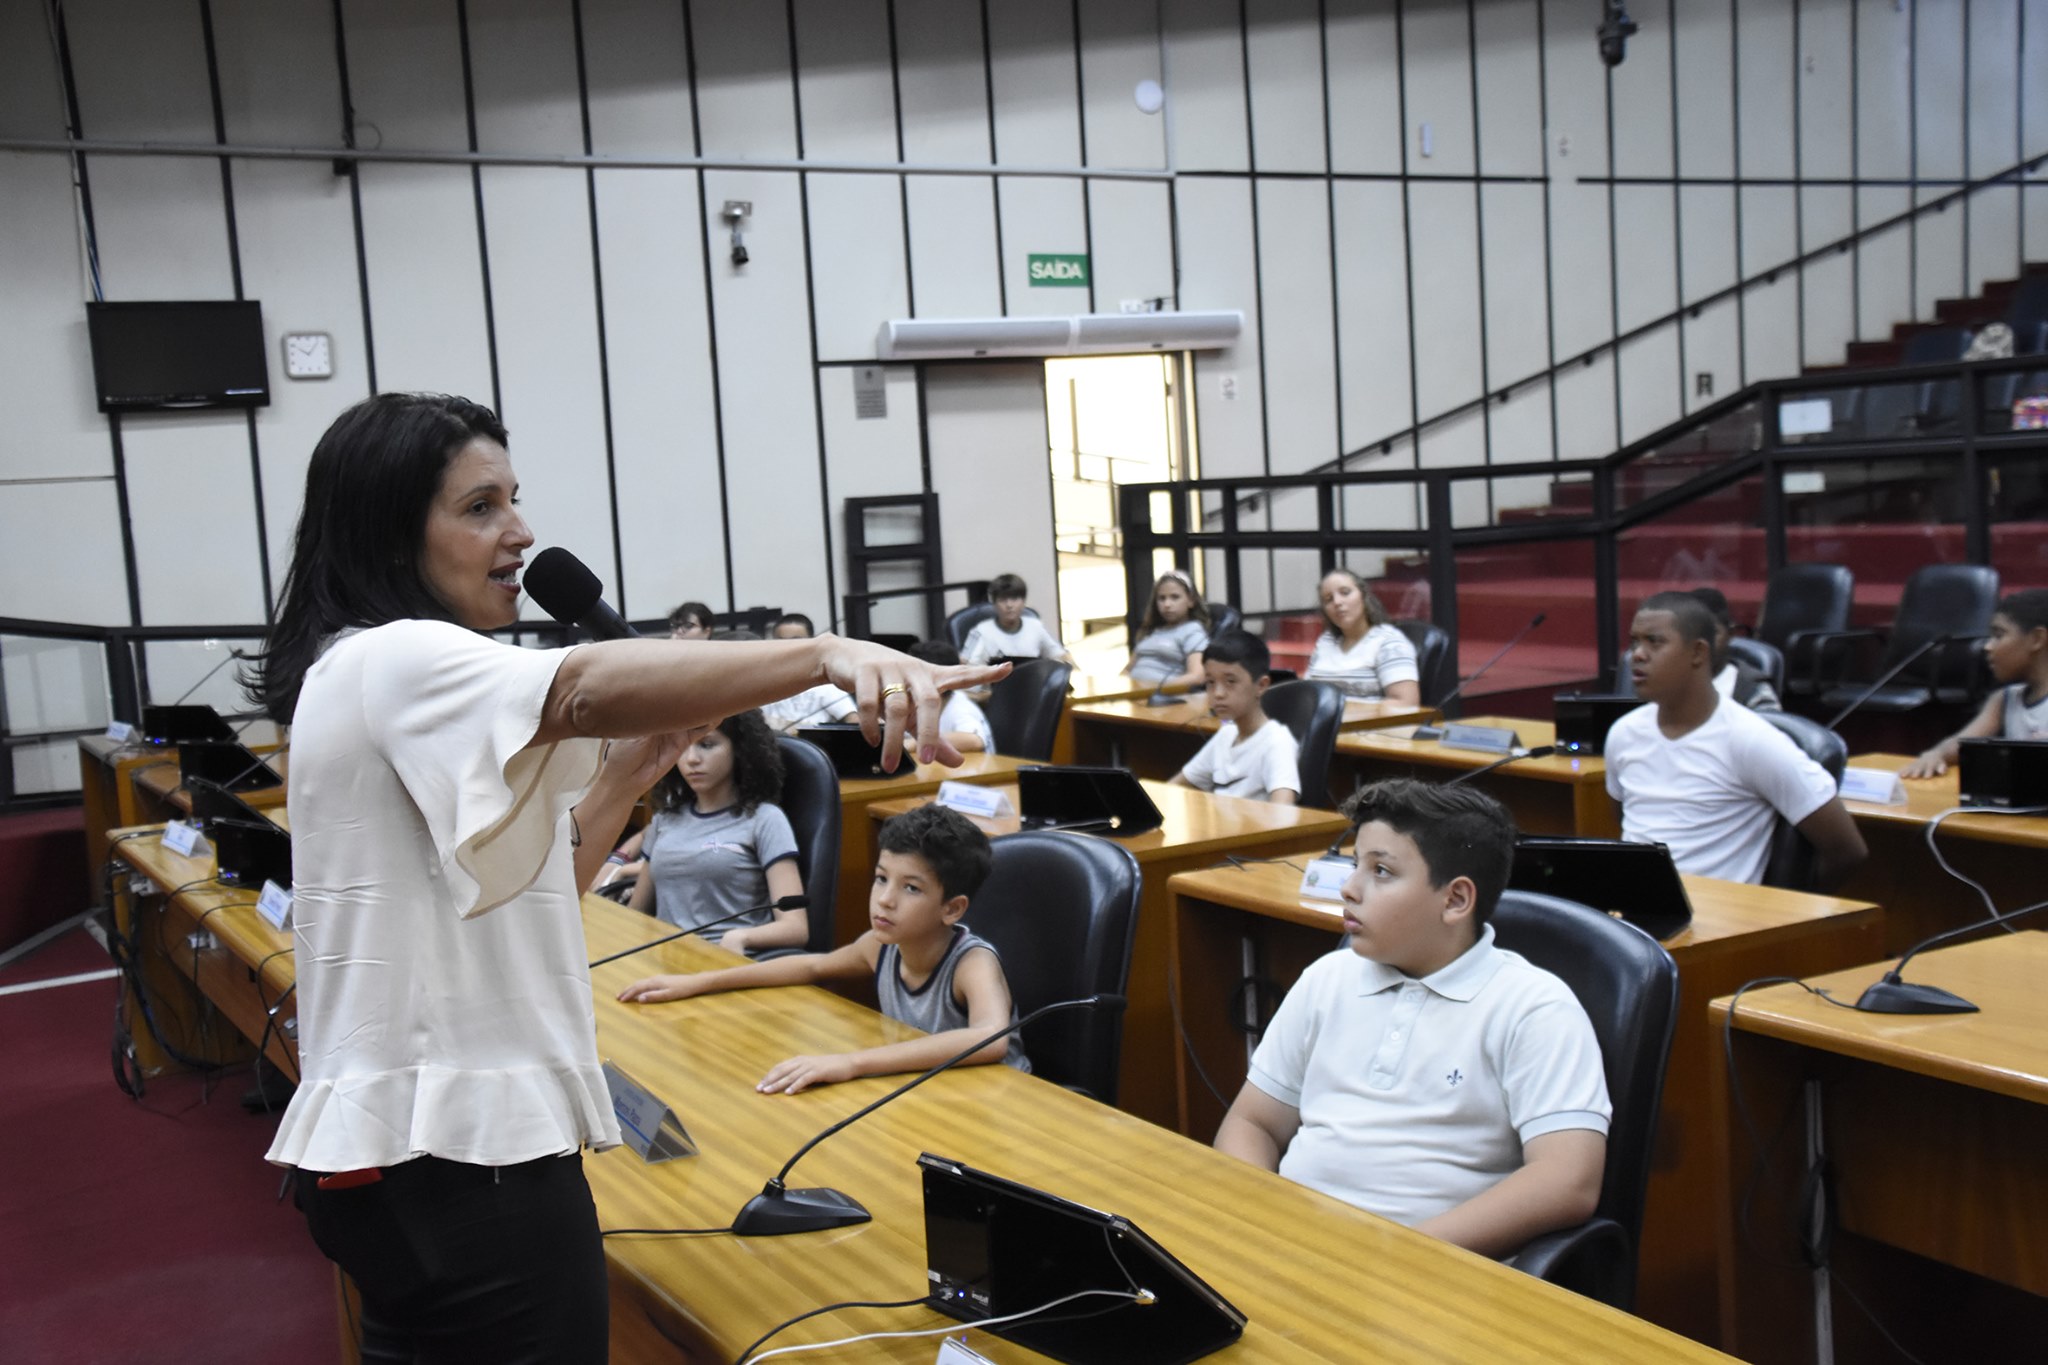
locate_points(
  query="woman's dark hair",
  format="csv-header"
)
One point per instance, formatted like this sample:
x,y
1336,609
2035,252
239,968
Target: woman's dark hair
x,y
1198,610
356,553
1375,610
756,767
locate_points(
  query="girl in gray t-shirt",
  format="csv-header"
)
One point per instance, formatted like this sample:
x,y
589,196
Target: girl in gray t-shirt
x,y
1173,634
718,844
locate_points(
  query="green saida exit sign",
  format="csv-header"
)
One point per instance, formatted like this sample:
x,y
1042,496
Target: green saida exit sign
x,y
1054,272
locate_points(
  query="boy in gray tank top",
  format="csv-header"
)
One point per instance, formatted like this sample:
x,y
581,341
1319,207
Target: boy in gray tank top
x,y
929,970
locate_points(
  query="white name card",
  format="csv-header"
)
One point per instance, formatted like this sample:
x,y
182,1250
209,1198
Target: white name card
x,y
181,838
971,799
956,1351
121,732
1323,879
1878,787
275,905
1806,417
648,1125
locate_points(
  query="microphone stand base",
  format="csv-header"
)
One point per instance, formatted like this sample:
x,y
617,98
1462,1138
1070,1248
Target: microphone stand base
x,y
1428,732
775,1215
1904,997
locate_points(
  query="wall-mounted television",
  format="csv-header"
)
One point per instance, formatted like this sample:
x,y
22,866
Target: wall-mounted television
x,y
197,354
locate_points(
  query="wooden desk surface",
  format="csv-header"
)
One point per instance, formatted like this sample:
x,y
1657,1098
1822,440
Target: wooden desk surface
x,y
160,782
1319,1280
2002,1049
926,779
1112,687
1930,796
1192,713
1399,746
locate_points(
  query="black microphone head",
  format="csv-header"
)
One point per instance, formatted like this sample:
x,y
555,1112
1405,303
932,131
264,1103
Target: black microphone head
x,y
561,585
793,903
1108,1000
1540,751
1537,619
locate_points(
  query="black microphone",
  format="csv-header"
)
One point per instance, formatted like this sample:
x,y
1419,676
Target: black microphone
x,y
1890,995
1540,751
1436,731
1896,669
561,585
786,903
777,1209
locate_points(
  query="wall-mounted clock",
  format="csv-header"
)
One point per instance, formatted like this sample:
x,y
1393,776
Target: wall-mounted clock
x,y
308,355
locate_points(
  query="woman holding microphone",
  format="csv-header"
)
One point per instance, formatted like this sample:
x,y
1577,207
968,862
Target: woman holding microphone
x,y
448,795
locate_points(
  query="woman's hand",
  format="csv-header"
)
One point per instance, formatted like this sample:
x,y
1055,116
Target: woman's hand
x,y
899,697
790,1077
653,990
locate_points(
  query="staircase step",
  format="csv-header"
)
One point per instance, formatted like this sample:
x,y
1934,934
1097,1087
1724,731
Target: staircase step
x,y
1970,312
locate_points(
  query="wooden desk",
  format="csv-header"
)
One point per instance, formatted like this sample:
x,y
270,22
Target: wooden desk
x,y
1088,687
1319,1280
2008,854
856,794
162,794
1200,829
1554,795
106,779
1157,741
1934,1126
1738,933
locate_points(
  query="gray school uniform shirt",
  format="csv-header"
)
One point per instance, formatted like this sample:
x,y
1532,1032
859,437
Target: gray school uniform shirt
x,y
931,1007
1164,653
709,865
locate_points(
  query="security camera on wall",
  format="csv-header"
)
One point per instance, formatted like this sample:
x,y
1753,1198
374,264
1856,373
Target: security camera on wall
x,y
1614,32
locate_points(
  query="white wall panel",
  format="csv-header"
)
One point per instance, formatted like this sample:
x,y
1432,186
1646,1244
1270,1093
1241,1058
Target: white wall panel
x,y
1650,384
1711,342
657,350
195,517
1217,259
278,81
53,429
522,61
1517,308
1646,269
1995,91
769,403
31,100
1707,215
405,73
2034,134
1940,83
1510,88
1456,441
1827,59
1771,311
1706,92
1438,53
637,68
426,279
1205,85
1038,113
1764,86
990,468
1285,52
954,272
1585,410
60,552
1372,311
857,266
1939,274
1297,304
162,228
1132,233
1884,102
1642,95
873,457
1041,214
1365,106
1445,239
1577,121
139,71
53,685
1828,285
943,82
843,77
1521,426
1884,278
1119,48
745,94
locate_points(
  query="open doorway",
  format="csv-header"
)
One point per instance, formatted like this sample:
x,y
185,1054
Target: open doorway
x,y
1110,421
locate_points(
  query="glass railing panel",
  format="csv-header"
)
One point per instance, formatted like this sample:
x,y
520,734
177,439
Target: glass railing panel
x,y
1501,588
1716,540
1881,518
1734,434
2018,488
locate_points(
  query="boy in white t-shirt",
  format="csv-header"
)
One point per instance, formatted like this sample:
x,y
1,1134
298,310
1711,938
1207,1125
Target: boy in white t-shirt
x,y
1251,755
1424,1073
1010,634
1705,776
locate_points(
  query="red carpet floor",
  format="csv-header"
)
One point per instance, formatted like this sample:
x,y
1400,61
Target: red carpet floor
x,y
138,1232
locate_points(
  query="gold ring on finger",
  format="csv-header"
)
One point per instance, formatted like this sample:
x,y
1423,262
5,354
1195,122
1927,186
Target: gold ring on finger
x,y
891,690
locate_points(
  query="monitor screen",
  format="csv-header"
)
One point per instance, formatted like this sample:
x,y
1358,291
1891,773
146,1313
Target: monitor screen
x,y
198,354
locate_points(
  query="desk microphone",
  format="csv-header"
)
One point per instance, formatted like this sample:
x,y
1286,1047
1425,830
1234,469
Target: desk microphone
x,y
1896,669
777,1209
1540,751
786,903
1889,995
561,585
1436,731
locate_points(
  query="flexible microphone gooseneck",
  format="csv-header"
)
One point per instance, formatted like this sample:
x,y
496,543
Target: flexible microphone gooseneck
x,y
1540,751
786,903
778,1210
1889,995
561,585
1435,731
1900,667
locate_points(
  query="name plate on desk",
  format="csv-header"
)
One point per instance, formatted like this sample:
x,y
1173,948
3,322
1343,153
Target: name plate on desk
x,y
1490,739
970,799
121,732
182,838
275,905
1324,879
648,1126
1874,785
956,1351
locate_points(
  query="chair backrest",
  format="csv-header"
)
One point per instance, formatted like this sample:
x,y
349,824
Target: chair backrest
x,y
1314,712
1023,709
1628,986
968,617
1791,864
1062,912
1223,616
1805,597
1768,660
1624,679
1940,599
810,798
1432,658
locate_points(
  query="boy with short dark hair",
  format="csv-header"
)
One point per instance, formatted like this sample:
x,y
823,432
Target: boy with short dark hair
x,y
1010,634
1423,1073
1733,678
2017,651
1250,755
930,970
793,625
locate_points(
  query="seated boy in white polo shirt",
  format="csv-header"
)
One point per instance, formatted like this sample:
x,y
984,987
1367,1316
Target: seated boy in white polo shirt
x,y
1250,755
1423,1073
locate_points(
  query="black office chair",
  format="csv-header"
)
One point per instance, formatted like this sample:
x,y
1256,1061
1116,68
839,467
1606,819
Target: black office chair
x,y
961,622
1436,669
1765,659
1955,600
1314,712
1892,411
1023,709
1628,986
1222,617
810,798
1792,862
1800,602
1062,913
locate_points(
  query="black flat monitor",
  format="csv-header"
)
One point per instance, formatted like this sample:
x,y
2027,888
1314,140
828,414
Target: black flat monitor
x,y
248,849
1636,882
1089,800
226,764
2002,774
1584,718
180,724
204,353
851,754
995,1247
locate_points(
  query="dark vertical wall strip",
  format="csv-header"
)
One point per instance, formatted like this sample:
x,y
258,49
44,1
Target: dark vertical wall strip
x,y
1968,171
604,369
1855,167
1613,258
710,303
1685,403
476,185
995,187
1251,161
1799,178
355,193
1549,263
2019,140
1330,212
803,191
1407,247
1913,153
1479,245
1735,117
903,180
1081,130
